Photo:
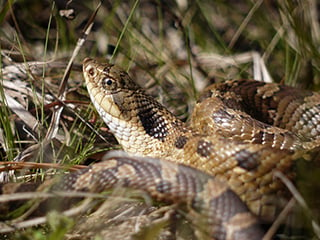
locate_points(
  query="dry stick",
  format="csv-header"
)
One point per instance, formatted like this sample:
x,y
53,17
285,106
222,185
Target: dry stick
x,y
53,128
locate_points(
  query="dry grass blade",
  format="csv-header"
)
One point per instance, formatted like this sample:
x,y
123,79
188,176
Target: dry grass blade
x,y
6,166
23,114
280,219
298,197
215,61
244,23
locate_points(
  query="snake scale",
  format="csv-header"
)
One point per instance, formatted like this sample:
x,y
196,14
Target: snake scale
x,y
220,165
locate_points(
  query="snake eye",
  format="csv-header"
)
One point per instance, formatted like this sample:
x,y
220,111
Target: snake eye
x,y
108,81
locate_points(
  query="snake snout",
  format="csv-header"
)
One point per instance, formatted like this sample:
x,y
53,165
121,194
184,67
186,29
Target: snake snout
x,y
86,61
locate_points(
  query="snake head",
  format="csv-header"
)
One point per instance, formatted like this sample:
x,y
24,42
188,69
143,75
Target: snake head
x,y
107,77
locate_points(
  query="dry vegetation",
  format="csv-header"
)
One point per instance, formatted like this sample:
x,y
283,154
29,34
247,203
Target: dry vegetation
x,y
172,48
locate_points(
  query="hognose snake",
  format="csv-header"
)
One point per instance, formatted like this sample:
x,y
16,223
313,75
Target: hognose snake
x,y
239,134
241,131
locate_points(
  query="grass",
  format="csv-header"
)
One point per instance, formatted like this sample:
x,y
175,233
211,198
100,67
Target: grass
x,y
171,49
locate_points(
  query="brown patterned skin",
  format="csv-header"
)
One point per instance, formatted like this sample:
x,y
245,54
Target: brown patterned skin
x,y
241,131
204,198
288,117
212,207
245,155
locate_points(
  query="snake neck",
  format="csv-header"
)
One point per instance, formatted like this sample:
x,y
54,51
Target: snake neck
x,y
140,124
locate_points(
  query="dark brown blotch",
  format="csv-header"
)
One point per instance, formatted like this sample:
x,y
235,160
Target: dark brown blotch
x,y
153,123
263,137
204,148
247,160
197,203
258,137
180,142
221,116
227,198
164,186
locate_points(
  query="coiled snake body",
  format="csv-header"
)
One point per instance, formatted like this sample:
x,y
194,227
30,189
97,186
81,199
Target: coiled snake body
x,y
240,133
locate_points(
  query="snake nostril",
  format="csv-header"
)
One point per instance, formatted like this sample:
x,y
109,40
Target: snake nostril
x,y
91,71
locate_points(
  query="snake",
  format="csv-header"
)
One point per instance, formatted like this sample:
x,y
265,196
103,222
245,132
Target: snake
x,y
220,165
241,131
